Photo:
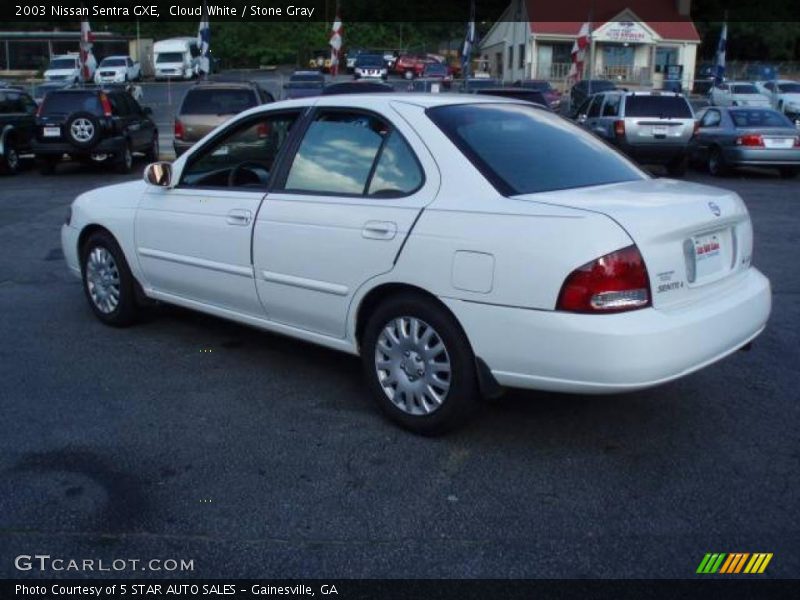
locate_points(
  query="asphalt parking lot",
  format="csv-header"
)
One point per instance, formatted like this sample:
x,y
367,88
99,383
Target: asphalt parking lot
x,y
187,437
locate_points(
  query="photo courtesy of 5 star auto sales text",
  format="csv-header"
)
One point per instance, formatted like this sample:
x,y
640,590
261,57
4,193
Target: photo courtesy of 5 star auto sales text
x,y
382,300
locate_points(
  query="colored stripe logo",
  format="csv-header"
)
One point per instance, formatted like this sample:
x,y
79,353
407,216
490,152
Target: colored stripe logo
x,y
734,563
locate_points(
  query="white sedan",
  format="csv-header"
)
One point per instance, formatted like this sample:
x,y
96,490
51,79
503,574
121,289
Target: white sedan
x,y
737,93
784,94
458,244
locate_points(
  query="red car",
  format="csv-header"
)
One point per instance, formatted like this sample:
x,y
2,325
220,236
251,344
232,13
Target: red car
x,y
410,65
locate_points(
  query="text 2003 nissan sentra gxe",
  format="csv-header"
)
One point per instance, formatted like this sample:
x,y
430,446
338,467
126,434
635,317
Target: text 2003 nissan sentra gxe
x,y
454,243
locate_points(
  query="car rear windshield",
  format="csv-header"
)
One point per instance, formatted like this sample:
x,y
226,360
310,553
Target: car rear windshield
x,y
744,88
369,60
217,102
62,63
665,107
523,150
69,102
745,118
169,57
113,62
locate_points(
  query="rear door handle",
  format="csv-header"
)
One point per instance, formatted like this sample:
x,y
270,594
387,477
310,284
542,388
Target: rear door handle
x,y
239,216
379,230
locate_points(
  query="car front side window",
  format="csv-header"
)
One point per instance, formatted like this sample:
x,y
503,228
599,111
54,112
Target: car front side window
x,y
243,157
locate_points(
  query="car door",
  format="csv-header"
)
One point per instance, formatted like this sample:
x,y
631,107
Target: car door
x,y
338,215
193,239
708,130
609,113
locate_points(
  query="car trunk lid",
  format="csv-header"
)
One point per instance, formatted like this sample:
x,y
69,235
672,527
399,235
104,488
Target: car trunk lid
x,y
693,238
195,127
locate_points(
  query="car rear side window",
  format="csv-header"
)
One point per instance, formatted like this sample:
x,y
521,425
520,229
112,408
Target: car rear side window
x,y
744,89
70,102
611,107
664,107
523,150
217,102
345,153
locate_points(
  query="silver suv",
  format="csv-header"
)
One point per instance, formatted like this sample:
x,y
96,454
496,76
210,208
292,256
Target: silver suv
x,y
650,127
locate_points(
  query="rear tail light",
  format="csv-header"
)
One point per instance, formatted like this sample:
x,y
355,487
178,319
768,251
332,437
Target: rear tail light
x,y
797,142
619,128
178,130
612,283
105,104
750,140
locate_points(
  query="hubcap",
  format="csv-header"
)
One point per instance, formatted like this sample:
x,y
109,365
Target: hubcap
x,y
82,130
102,280
413,366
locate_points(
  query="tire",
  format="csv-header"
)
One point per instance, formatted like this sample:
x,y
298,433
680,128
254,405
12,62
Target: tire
x,y
677,168
107,281
716,162
48,165
408,75
125,159
789,172
412,368
151,154
10,162
83,130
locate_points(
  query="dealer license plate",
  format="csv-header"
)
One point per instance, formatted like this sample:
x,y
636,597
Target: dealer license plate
x,y
770,142
707,254
659,130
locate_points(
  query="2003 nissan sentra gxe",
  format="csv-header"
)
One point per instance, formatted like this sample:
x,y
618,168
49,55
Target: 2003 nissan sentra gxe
x,y
454,243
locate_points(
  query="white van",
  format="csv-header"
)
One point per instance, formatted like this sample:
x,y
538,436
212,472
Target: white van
x,y
176,58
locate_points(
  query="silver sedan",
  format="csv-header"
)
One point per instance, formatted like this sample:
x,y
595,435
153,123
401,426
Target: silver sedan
x,y
738,136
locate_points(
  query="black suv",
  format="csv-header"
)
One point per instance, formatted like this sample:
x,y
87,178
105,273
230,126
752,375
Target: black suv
x,y
93,124
17,124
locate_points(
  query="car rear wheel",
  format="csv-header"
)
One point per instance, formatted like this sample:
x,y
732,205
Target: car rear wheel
x,y
716,163
125,160
419,365
11,161
107,280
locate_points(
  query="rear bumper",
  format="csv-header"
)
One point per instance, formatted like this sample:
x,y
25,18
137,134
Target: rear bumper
x,y
106,146
762,156
654,152
598,354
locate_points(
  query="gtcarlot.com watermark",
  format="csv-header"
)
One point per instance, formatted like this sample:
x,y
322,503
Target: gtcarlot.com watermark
x,y
47,563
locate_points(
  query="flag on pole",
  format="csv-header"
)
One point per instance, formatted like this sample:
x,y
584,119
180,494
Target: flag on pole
x,y
87,59
335,43
469,42
579,53
719,71
204,40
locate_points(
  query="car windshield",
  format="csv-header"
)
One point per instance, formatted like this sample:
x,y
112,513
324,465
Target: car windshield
x,y
744,88
497,140
217,102
665,107
169,57
747,118
40,90
791,88
369,60
113,62
69,102
62,63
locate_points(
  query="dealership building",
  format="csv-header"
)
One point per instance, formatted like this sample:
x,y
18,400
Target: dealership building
x,y
632,41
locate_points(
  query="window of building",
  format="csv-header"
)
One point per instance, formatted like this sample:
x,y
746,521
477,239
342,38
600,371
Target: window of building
x,y
664,58
510,57
521,56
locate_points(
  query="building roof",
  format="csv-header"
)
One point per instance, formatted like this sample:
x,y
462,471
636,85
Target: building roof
x,y
661,16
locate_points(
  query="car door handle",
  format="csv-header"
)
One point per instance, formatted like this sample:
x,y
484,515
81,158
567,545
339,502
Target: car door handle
x,y
379,230
239,216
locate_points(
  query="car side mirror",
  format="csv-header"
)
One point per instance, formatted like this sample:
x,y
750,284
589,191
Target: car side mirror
x,y
158,174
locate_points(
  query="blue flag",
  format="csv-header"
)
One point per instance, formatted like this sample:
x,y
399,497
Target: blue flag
x,y
719,71
204,40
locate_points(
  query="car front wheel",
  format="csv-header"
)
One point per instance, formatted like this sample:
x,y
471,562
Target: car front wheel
x,y
716,163
10,159
125,163
107,280
419,365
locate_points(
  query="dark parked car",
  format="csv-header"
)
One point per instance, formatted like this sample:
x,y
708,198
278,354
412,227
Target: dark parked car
x,y
650,127
440,71
741,136
532,96
303,84
583,89
93,123
474,84
357,87
552,95
17,124
209,104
